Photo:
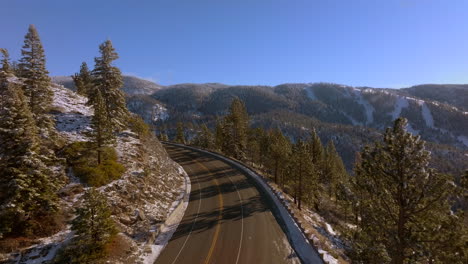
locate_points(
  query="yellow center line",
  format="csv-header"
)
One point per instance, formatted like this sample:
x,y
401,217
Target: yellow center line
x,y
215,236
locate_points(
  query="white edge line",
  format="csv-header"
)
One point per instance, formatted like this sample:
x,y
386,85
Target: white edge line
x,y
242,220
193,224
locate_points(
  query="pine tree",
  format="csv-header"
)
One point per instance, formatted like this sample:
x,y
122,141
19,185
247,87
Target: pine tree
x,y
333,171
163,133
6,61
257,145
26,189
279,151
94,228
204,138
464,183
316,148
15,68
302,171
236,127
163,137
108,80
4,84
180,137
102,133
33,69
83,80
402,200
219,135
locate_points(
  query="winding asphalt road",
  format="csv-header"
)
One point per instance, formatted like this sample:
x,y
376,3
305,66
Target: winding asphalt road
x,y
227,221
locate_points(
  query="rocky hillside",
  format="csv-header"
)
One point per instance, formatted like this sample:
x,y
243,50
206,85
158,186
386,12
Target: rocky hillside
x,y
150,188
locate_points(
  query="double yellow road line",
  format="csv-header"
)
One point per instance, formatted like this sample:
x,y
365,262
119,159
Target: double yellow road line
x,y
218,224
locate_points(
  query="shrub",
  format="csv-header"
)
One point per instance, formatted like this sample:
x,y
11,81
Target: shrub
x,y
10,244
94,229
82,158
139,126
38,224
101,174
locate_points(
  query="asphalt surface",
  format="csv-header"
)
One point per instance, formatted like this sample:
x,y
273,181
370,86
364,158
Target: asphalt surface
x,y
226,221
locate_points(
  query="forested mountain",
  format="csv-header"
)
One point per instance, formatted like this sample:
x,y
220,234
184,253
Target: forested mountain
x,y
131,85
454,94
353,116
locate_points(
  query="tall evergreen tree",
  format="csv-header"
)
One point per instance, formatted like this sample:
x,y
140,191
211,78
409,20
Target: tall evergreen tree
x,y
204,138
5,61
108,80
333,170
94,228
279,151
220,137
102,133
163,137
180,137
316,148
15,68
402,200
236,127
163,133
4,84
33,69
302,171
83,80
257,145
26,189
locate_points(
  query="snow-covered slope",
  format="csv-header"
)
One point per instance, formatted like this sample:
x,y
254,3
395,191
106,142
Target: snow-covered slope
x,y
150,189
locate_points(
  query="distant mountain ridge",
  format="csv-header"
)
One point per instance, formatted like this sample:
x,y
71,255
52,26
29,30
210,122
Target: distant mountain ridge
x,y
351,116
132,85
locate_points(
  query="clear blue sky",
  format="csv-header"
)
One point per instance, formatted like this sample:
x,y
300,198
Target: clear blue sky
x,y
380,43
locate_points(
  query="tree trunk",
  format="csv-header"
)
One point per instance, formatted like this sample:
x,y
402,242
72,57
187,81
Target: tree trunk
x,y
276,171
300,187
399,257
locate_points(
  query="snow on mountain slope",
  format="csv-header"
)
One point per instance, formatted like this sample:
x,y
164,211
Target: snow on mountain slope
x,y
310,93
368,107
401,103
160,113
73,116
426,113
463,140
140,200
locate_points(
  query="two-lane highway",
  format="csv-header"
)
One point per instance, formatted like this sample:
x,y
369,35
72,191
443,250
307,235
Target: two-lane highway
x,y
227,221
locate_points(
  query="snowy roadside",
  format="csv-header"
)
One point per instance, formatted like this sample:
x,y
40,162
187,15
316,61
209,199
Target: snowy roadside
x,y
166,230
